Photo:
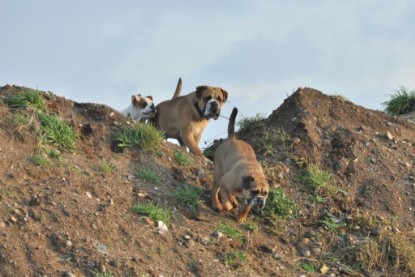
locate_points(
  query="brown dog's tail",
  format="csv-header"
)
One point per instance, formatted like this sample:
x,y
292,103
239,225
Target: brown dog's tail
x,y
231,124
178,89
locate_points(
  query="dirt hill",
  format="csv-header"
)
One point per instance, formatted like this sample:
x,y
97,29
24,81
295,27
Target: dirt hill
x,y
73,216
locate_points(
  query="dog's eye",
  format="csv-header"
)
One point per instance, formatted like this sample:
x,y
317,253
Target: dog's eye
x,y
265,193
143,105
208,97
255,191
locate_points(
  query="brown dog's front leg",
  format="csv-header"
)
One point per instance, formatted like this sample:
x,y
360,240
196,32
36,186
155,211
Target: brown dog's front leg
x,y
243,213
191,144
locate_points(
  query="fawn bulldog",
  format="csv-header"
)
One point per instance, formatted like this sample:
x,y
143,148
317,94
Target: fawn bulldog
x,y
236,172
185,117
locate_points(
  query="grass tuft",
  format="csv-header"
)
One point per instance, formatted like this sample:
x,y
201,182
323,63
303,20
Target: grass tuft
x,y
235,257
143,135
189,195
152,211
182,158
229,231
401,101
106,167
279,205
40,160
147,175
27,98
57,132
320,180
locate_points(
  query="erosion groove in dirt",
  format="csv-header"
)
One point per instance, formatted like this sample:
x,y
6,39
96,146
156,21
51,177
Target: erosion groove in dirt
x,y
71,216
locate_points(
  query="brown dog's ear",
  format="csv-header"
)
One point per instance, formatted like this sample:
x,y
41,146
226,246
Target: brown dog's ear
x,y
225,95
150,97
246,182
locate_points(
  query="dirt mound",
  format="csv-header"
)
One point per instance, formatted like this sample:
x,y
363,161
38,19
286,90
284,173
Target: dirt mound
x,y
70,216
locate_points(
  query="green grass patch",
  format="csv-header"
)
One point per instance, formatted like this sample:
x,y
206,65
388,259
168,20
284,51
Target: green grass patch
x,y
333,225
143,135
28,98
401,101
40,160
106,167
152,211
320,180
235,257
308,267
251,227
189,195
182,158
248,122
230,231
279,205
57,132
147,175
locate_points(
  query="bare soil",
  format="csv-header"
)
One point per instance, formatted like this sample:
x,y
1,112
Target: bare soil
x,y
70,217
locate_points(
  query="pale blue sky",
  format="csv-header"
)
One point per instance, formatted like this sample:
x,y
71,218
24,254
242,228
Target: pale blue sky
x,y
104,51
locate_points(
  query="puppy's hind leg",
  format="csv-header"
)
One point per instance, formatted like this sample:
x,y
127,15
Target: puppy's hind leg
x,y
225,199
216,205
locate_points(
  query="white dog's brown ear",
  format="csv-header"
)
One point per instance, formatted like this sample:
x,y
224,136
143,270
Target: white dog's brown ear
x,y
150,97
135,98
225,95
246,181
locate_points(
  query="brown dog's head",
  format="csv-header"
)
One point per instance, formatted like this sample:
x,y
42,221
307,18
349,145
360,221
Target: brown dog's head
x,y
209,101
255,189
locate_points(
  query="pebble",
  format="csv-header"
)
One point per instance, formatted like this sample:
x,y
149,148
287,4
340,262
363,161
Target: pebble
x,y
306,253
13,219
69,274
68,243
324,269
88,194
204,241
2,224
162,228
217,234
389,135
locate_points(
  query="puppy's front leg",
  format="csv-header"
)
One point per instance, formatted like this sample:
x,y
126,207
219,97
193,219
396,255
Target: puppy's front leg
x,y
243,213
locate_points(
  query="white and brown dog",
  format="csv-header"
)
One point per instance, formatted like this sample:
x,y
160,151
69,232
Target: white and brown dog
x,y
185,117
236,172
141,108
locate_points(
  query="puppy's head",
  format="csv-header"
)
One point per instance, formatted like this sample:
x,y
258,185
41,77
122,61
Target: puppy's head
x,y
210,100
143,107
255,189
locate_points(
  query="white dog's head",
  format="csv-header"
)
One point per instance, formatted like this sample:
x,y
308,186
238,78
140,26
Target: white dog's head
x,y
140,108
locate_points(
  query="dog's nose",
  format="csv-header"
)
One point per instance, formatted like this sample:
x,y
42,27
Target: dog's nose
x,y
260,202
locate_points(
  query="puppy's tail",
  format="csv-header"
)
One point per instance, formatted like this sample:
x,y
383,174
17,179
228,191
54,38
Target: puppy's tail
x,y
231,124
178,89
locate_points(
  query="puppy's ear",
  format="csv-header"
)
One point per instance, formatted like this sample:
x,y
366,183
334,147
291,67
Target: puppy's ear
x,y
135,98
150,97
225,95
199,91
246,182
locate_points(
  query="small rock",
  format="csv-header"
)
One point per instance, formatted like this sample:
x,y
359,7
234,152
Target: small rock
x,y
217,234
389,135
395,230
2,224
316,251
68,243
324,269
204,241
88,194
306,241
306,253
13,219
187,237
17,212
162,228
69,274
34,201
296,140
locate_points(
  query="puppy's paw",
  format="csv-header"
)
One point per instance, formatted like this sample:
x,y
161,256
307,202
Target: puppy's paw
x,y
241,218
